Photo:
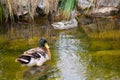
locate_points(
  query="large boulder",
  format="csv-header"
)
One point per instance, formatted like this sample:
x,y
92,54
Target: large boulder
x,y
99,3
83,4
104,11
100,8
110,3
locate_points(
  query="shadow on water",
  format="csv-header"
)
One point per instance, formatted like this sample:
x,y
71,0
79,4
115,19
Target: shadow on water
x,y
75,56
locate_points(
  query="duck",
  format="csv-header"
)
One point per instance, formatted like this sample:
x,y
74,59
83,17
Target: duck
x,y
65,24
35,56
72,23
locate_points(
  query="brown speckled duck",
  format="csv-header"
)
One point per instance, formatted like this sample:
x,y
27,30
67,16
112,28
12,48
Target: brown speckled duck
x,y
35,56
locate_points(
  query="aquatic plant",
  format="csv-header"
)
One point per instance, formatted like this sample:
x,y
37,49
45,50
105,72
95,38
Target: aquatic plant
x,y
66,6
107,59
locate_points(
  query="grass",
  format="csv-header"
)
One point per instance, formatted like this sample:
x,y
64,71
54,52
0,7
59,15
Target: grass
x,y
66,7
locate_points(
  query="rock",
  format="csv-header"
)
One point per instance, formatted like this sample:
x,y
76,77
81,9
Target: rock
x,y
99,8
41,8
42,5
110,3
83,4
104,11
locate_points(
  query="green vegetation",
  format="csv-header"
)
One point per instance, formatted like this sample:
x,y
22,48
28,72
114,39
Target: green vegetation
x,y
9,70
112,34
108,59
18,44
98,45
67,6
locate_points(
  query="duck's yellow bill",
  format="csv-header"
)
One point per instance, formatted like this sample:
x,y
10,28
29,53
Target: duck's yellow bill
x,y
46,45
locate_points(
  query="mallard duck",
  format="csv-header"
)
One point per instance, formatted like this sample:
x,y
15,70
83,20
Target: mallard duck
x,y
65,24
35,56
72,23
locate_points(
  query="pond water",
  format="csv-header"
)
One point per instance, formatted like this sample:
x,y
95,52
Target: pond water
x,y
84,53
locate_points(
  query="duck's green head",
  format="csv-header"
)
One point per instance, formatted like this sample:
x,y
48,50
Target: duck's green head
x,y
43,43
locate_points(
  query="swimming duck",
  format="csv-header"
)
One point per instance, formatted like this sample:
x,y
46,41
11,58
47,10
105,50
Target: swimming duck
x,y
65,24
35,56
72,23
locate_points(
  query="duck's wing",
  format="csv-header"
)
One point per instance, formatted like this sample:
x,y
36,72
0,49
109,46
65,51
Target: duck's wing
x,y
36,52
23,58
33,50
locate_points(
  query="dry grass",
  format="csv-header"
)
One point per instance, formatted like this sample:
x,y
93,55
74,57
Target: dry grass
x,y
51,5
18,7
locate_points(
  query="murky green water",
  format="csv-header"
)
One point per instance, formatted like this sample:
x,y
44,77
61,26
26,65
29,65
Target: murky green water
x,y
77,54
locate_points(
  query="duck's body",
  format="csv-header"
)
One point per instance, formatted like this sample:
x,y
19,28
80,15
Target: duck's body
x,y
35,56
72,23
65,24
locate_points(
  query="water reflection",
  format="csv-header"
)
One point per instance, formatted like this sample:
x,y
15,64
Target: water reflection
x,y
69,62
36,73
103,29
